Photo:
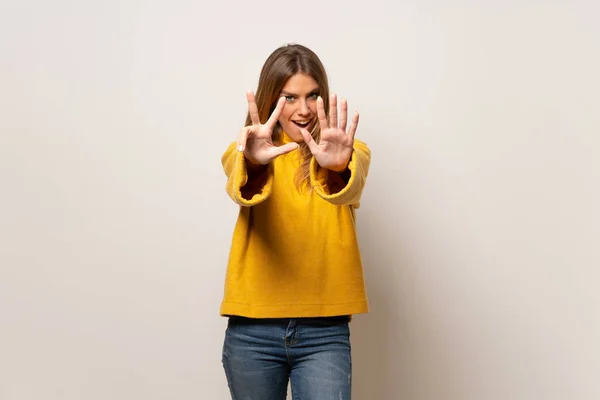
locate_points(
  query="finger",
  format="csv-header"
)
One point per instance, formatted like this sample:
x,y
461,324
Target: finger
x,y
286,148
333,120
321,114
308,139
343,114
276,113
252,108
243,138
353,125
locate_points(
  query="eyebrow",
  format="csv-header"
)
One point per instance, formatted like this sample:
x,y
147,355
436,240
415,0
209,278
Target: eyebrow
x,y
286,93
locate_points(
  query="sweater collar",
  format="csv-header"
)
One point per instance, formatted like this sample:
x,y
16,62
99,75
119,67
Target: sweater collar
x,y
285,138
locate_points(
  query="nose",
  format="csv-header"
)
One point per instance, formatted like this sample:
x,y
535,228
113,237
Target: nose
x,y
303,108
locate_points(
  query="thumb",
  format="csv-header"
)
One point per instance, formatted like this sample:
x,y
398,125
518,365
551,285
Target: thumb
x,y
286,148
308,139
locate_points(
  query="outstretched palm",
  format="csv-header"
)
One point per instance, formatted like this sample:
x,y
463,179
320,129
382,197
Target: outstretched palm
x,y
256,140
335,145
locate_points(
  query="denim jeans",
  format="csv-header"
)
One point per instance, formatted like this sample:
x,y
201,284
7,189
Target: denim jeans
x,y
261,355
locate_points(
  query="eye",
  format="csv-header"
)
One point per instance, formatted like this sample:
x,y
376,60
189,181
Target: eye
x,y
289,98
313,96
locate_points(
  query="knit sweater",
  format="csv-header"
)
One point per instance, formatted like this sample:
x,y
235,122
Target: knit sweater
x,y
294,252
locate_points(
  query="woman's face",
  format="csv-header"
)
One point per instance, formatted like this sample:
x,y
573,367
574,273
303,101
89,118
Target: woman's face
x,y
300,110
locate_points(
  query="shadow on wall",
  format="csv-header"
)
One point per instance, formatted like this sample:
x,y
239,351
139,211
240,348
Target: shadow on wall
x,y
383,355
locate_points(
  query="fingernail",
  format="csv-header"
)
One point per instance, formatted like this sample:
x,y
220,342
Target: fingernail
x,y
241,147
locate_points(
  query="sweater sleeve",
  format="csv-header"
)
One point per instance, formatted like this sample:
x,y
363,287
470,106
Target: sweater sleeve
x,y
333,188
245,187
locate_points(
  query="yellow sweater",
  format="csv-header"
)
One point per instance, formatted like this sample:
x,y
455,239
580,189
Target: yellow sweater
x,y
294,253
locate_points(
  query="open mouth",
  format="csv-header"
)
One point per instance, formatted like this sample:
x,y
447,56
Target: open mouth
x,y
302,124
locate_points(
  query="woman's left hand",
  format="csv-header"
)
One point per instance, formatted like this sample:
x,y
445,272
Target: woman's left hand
x,y
335,145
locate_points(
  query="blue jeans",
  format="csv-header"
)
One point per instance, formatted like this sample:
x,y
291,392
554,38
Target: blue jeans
x,y
261,355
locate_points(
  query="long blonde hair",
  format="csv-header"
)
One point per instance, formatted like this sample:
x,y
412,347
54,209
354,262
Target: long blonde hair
x,y
283,63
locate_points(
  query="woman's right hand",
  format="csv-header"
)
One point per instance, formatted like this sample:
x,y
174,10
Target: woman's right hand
x,y
256,140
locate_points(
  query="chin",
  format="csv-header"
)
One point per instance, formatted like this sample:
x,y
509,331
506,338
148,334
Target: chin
x,y
293,132
295,135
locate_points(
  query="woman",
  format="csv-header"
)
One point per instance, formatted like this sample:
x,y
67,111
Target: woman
x,y
294,276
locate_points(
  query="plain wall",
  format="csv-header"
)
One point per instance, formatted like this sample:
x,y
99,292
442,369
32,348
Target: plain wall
x,y
479,225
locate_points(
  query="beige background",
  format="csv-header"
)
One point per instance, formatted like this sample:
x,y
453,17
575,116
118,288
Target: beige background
x,y
479,225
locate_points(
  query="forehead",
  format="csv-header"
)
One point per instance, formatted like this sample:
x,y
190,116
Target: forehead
x,y
300,84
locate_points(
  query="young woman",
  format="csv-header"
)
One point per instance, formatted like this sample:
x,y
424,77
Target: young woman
x,y
294,276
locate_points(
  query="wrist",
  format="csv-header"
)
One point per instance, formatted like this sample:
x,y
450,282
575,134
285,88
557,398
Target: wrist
x,y
252,166
339,169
